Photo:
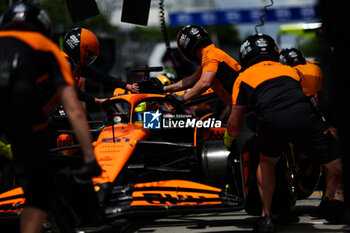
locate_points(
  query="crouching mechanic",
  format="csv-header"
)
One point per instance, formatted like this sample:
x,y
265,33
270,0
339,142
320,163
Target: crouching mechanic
x,y
27,58
283,115
82,47
311,74
311,83
218,70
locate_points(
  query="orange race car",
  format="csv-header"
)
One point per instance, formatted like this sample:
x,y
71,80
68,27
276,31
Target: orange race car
x,y
158,158
155,156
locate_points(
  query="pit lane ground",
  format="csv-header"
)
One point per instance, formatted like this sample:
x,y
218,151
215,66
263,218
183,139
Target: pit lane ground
x,y
299,220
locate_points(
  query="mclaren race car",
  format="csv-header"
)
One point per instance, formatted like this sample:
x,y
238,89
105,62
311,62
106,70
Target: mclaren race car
x,y
159,157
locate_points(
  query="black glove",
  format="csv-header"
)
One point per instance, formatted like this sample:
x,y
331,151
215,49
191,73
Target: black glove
x,y
175,97
152,85
157,85
178,101
89,170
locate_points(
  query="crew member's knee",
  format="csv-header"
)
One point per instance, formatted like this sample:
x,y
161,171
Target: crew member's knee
x,y
272,161
335,167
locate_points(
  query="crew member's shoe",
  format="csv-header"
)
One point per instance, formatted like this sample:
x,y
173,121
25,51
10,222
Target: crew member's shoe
x,y
336,213
264,224
322,208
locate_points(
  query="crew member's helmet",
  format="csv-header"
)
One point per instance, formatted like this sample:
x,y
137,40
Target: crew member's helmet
x,y
25,16
190,38
291,57
256,48
81,45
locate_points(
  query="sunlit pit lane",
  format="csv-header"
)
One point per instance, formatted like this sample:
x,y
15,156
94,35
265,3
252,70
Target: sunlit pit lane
x,y
299,219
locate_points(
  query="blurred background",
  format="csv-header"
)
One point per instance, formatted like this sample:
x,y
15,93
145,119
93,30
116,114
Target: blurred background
x,y
293,23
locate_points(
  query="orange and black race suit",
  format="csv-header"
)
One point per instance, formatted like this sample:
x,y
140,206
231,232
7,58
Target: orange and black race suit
x,y
27,59
283,111
226,68
311,78
267,87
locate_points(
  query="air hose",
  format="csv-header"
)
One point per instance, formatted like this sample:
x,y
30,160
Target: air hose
x,y
166,38
262,21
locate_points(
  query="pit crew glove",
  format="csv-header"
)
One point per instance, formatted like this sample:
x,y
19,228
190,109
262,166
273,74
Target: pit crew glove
x,y
228,140
178,98
89,170
5,149
157,86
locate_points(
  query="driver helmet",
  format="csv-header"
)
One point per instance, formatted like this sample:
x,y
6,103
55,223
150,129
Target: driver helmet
x,y
139,109
81,45
25,16
190,38
291,57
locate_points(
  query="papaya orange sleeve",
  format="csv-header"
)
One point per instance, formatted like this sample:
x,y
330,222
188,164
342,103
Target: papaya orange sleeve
x,y
235,91
41,43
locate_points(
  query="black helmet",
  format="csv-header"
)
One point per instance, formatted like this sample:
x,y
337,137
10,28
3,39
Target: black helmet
x,y
26,16
81,45
189,39
256,48
291,57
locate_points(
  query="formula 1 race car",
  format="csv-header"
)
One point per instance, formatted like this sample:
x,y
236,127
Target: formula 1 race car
x,y
158,159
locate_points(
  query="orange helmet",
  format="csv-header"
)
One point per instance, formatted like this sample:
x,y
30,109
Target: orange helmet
x,y
81,45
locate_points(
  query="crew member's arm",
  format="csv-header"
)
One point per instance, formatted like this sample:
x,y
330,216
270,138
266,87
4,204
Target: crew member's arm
x,y
234,124
78,120
106,79
89,99
83,96
235,120
183,84
203,84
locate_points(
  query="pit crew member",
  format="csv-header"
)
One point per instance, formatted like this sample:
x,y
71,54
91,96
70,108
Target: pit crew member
x,y
311,73
311,83
283,115
27,58
217,71
82,47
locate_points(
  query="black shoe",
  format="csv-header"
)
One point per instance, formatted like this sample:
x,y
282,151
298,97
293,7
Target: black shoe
x,y
322,208
336,213
264,224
